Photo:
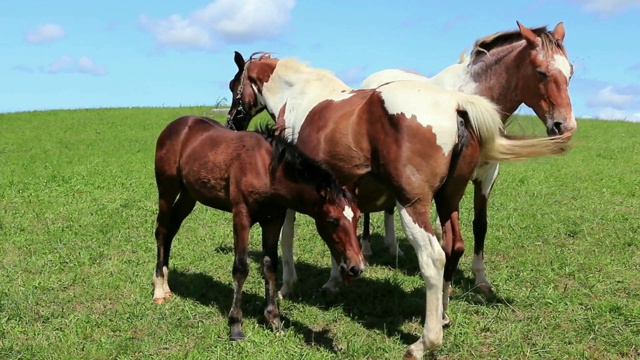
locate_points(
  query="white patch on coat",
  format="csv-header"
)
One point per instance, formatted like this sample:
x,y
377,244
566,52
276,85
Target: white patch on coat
x,y
486,173
302,88
430,104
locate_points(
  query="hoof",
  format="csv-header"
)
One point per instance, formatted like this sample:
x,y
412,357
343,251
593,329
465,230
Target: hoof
x,y
237,336
409,356
446,322
159,301
168,294
485,288
283,295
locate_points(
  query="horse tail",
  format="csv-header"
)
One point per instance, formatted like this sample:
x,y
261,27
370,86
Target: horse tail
x,y
484,119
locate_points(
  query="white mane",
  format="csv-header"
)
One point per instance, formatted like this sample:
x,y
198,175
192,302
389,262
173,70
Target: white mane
x,y
304,72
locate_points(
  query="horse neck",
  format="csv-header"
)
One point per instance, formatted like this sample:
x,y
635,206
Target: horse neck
x,y
300,88
298,196
497,77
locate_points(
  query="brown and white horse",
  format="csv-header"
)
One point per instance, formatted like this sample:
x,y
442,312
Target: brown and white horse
x,y
256,177
510,68
405,143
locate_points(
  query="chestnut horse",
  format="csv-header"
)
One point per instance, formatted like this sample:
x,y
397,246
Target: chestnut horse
x,y
399,143
510,68
256,177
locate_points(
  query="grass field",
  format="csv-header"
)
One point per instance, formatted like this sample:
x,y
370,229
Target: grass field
x,y
77,214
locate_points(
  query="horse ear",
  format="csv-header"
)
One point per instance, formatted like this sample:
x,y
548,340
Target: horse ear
x,y
531,37
558,32
239,60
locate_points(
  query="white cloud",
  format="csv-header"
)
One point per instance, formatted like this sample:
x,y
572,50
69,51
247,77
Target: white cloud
x,y
46,32
612,98
610,113
83,65
65,62
221,21
607,7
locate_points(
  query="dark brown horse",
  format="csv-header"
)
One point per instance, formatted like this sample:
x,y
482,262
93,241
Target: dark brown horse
x,y
256,177
405,143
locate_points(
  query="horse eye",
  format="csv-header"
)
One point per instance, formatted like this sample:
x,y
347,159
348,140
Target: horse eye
x,y
334,221
541,74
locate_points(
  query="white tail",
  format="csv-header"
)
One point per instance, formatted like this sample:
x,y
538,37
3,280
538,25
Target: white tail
x,y
485,121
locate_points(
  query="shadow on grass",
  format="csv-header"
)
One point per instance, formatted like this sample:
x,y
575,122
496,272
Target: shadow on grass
x,y
464,287
373,303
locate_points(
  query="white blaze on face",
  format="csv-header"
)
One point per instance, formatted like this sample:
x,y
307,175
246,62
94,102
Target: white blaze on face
x,y
562,63
348,213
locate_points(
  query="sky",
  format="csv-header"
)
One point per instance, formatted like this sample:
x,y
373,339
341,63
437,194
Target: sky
x,y
69,54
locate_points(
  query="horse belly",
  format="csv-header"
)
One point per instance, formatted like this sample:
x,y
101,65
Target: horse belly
x,y
373,195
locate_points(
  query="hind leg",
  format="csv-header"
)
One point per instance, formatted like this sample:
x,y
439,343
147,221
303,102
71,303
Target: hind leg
x,y
483,183
170,217
240,271
452,244
416,224
270,235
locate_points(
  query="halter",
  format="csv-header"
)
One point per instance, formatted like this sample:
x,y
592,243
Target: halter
x,y
240,109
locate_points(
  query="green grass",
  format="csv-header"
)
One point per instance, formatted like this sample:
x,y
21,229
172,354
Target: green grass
x,y
77,213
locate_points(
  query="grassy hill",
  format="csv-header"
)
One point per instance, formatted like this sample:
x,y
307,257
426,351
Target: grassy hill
x,y
77,214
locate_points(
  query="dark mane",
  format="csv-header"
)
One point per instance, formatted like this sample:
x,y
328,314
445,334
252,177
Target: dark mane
x,y
300,167
260,55
488,43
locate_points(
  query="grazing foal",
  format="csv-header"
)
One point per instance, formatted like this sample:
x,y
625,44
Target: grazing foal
x,y
256,177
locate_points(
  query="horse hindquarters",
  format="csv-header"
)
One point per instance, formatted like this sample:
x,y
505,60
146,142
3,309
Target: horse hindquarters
x,y
171,213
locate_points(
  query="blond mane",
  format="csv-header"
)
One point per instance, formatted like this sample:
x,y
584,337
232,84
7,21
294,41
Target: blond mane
x,y
310,74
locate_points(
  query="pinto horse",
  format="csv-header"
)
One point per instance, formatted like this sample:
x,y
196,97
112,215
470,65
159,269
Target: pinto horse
x,y
510,68
405,143
256,177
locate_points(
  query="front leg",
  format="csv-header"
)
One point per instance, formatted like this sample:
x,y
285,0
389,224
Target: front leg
x,y
270,234
390,234
289,276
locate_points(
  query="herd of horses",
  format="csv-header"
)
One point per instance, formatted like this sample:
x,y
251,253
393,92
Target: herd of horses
x,y
401,141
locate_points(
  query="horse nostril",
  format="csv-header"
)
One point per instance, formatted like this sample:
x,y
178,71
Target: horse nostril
x,y
354,271
559,127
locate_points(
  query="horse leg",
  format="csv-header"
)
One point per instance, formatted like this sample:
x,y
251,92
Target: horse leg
x,y
270,234
335,278
365,242
482,188
289,276
416,224
241,227
390,234
170,217
447,205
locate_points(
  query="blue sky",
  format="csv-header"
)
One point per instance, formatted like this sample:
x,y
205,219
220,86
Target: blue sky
x,y
68,54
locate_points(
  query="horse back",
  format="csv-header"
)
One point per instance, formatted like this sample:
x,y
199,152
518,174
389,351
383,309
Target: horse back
x,y
216,165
